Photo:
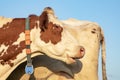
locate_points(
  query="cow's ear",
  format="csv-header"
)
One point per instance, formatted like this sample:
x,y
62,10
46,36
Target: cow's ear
x,y
43,21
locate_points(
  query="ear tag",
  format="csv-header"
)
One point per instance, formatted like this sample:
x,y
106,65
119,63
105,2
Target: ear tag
x,y
29,69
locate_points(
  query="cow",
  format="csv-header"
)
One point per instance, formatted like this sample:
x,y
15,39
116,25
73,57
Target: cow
x,y
47,35
90,35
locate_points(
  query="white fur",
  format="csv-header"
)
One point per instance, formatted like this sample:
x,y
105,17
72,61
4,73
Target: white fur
x,y
53,19
74,22
81,30
3,47
4,20
21,38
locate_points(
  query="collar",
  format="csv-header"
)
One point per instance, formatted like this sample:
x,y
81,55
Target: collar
x,y
27,36
29,66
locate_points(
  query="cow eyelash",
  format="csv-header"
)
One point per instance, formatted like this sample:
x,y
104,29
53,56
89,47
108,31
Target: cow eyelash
x,y
55,27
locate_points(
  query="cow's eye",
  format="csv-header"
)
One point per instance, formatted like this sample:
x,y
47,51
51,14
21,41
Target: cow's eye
x,y
56,26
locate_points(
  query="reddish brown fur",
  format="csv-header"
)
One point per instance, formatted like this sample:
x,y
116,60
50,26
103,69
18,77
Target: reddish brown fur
x,y
12,52
52,33
33,19
43,21
10,32
49,31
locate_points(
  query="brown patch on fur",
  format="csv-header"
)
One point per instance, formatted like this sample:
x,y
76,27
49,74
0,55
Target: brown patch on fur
x,y
12,52
33,21
49,31
53,34
9,34
43,21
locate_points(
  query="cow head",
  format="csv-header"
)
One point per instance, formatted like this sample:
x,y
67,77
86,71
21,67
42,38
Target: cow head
x,y
54,40
47,33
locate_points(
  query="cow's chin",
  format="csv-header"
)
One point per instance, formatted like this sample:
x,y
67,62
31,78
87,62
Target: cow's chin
x,y
71,60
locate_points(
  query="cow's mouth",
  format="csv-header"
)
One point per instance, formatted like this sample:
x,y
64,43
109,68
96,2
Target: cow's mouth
x,y
71,59
75,58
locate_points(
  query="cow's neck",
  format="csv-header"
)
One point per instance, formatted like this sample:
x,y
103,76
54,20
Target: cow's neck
x,y
12,43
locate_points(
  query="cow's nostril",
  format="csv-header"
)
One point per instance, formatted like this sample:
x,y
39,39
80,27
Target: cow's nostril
x,y
82,50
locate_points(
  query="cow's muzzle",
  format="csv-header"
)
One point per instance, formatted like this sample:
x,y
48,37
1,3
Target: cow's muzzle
x,y
79,55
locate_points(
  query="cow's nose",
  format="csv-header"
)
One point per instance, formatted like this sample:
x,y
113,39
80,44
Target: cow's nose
x,y
82,51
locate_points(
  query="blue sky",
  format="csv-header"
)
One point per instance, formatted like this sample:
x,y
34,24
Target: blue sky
x,y
105,12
